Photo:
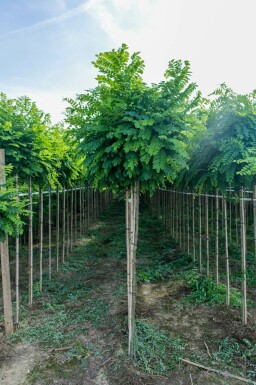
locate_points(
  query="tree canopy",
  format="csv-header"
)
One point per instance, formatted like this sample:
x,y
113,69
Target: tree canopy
x,y
131,131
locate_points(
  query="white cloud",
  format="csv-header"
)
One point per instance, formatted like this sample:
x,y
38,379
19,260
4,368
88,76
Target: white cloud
x,y
216,36
84,7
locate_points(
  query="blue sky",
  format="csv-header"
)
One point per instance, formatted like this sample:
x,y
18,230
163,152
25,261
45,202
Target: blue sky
x,y
47,45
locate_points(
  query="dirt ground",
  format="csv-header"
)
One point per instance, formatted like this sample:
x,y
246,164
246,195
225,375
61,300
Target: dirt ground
x,y
97,356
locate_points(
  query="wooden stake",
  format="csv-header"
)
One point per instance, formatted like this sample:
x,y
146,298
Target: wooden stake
x,y
5,266
30,242
217,240
50,230
17,263
254,221
41,229
243,258
200,232
57,227
207,236
226,253
193,227
63,223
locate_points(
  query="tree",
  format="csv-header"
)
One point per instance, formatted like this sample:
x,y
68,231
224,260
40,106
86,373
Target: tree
x,y
134,136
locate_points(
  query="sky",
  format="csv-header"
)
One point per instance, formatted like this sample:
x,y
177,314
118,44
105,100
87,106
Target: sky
x,y
47,46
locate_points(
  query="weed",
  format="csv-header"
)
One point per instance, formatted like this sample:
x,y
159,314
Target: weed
x,y
121,290
155,352
205,290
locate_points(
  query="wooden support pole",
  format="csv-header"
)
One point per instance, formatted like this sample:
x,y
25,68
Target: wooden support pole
x,y
243,257
31,267
17,263
50,231
41,237
57,227
5,266
217,239
226,253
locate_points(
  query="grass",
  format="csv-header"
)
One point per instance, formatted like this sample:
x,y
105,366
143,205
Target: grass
x,y
155,351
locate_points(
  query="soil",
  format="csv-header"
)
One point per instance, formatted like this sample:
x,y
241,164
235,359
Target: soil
x,y
103,358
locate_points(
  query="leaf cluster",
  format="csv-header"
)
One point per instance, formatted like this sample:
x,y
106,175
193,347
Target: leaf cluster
x,y
130,131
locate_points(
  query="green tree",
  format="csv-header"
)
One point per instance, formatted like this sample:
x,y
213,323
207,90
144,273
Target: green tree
x,y
134,136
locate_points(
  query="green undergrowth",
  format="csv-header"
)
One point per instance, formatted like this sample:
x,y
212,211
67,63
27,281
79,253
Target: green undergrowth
x,y
232,354
204,290
155,351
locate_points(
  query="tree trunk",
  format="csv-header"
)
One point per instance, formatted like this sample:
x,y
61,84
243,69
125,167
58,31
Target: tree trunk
x,y
72,220
193,227
254,221
17,263
5,266
200,232
50,230
63,223
30,242
41,237
132,213
217,239
243,258
226,254
207,235
57,228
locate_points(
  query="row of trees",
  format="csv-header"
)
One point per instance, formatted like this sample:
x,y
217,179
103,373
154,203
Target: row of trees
x,y
133,137
39,156
139,137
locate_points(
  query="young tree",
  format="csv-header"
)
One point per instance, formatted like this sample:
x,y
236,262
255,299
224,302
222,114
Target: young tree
x,y
134,136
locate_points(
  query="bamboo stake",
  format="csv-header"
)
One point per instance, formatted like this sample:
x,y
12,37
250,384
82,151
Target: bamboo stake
x,y
243,258
200,232
130,323
188,227
75,214
193,227
41,222
17,263
226,254
5,266
71,219
80,211
254,220
236,214
30,242
50,230
180,221
217,240
207,236
57,227
68,227
63,223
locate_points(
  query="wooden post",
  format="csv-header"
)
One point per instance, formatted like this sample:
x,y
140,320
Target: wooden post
x,y
63,223
72,219
41,237
50,230
200,232
17,263
226,254
217,239
254,221
5,267
193,227
207,235
243,258
30,301
57,227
